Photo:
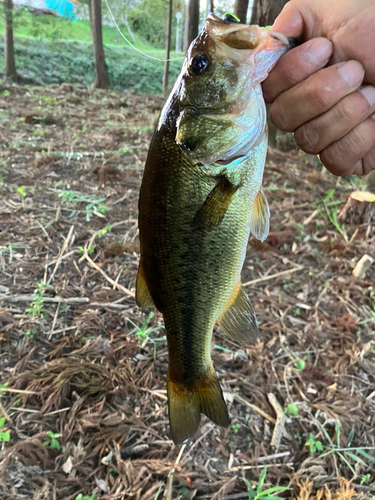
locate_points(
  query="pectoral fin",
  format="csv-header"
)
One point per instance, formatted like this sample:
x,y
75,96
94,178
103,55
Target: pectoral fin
x,y
216,205
260,222
142,295
238,320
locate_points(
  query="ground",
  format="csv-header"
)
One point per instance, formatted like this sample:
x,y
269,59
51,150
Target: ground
x,y
83,410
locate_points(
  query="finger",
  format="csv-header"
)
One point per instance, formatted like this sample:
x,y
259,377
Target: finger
x,y
316,95
343,156
317,134
290,21
297,65
368,162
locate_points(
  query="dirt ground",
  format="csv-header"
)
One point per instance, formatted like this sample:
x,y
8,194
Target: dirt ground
x,y
83,412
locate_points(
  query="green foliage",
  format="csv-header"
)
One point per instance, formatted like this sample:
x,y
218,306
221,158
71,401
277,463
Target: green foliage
x,y
236,428
36,306
4,435
53,442
313,444
266,494
291,409
86,497
300,364
54,62
30,333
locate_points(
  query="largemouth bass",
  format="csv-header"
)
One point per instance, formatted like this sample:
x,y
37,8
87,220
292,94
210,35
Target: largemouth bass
x,y
200,198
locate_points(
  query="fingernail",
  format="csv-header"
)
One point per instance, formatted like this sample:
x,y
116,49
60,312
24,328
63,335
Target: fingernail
x,y
320,51
352,72
369,94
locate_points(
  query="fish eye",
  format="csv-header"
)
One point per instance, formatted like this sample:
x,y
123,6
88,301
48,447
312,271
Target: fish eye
x,y
199,63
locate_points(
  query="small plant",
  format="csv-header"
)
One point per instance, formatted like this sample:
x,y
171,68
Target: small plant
x,y
291,409
36,306
53,443
30,333
300,364
4,435
266,494
313,444
104,231
236,428
86,497
90,251
365,479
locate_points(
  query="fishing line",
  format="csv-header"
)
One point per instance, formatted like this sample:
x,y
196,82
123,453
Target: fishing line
x,y
132,46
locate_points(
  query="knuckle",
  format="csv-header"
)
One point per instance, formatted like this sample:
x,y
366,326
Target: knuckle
x,y
308,139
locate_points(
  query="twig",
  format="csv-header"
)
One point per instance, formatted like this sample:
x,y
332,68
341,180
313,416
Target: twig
x,y
168,490
54,321
17,391
64,247
249,467
28,298
255,408
110,280
265,278
3,411
280,421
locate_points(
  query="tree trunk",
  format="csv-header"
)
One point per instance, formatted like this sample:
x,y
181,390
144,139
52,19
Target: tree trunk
x,y
212,6
254,12
240,9
101,75
167,47
266,11
193,21
10,63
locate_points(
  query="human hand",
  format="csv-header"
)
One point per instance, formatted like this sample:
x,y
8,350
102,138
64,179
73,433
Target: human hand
x,y
330,109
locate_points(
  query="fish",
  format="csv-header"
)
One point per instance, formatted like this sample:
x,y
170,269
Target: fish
x,y
200,199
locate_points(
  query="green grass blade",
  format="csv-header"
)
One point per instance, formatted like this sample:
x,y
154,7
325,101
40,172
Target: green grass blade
x,y
261,480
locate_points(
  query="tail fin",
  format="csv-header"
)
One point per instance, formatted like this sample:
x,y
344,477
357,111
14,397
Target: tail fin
x,y
186,404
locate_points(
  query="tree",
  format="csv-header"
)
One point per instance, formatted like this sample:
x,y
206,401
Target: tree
x,y
101,75
240,9
167,47
192,22
264,12
10,63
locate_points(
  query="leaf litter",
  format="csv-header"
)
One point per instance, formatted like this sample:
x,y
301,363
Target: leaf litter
x,y
83,368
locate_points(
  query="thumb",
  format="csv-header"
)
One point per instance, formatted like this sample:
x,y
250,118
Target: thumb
x,y
290,22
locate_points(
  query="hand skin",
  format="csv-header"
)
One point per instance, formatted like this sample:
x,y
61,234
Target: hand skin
x,y
324,90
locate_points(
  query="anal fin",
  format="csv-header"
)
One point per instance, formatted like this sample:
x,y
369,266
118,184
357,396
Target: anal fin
x,y
260,221
238,320
142,295
216,204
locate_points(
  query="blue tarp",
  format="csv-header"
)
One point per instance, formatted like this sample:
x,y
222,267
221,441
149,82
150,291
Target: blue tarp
x,y
63,7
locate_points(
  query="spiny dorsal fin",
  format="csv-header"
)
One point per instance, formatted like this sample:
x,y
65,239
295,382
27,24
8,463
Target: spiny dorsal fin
x,y
260,219
216,205
142,295
238,320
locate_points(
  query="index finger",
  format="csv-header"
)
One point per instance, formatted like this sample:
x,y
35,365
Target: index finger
x,y
297,65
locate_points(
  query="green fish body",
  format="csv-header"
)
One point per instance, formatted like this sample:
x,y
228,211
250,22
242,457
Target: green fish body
x,y
200,199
